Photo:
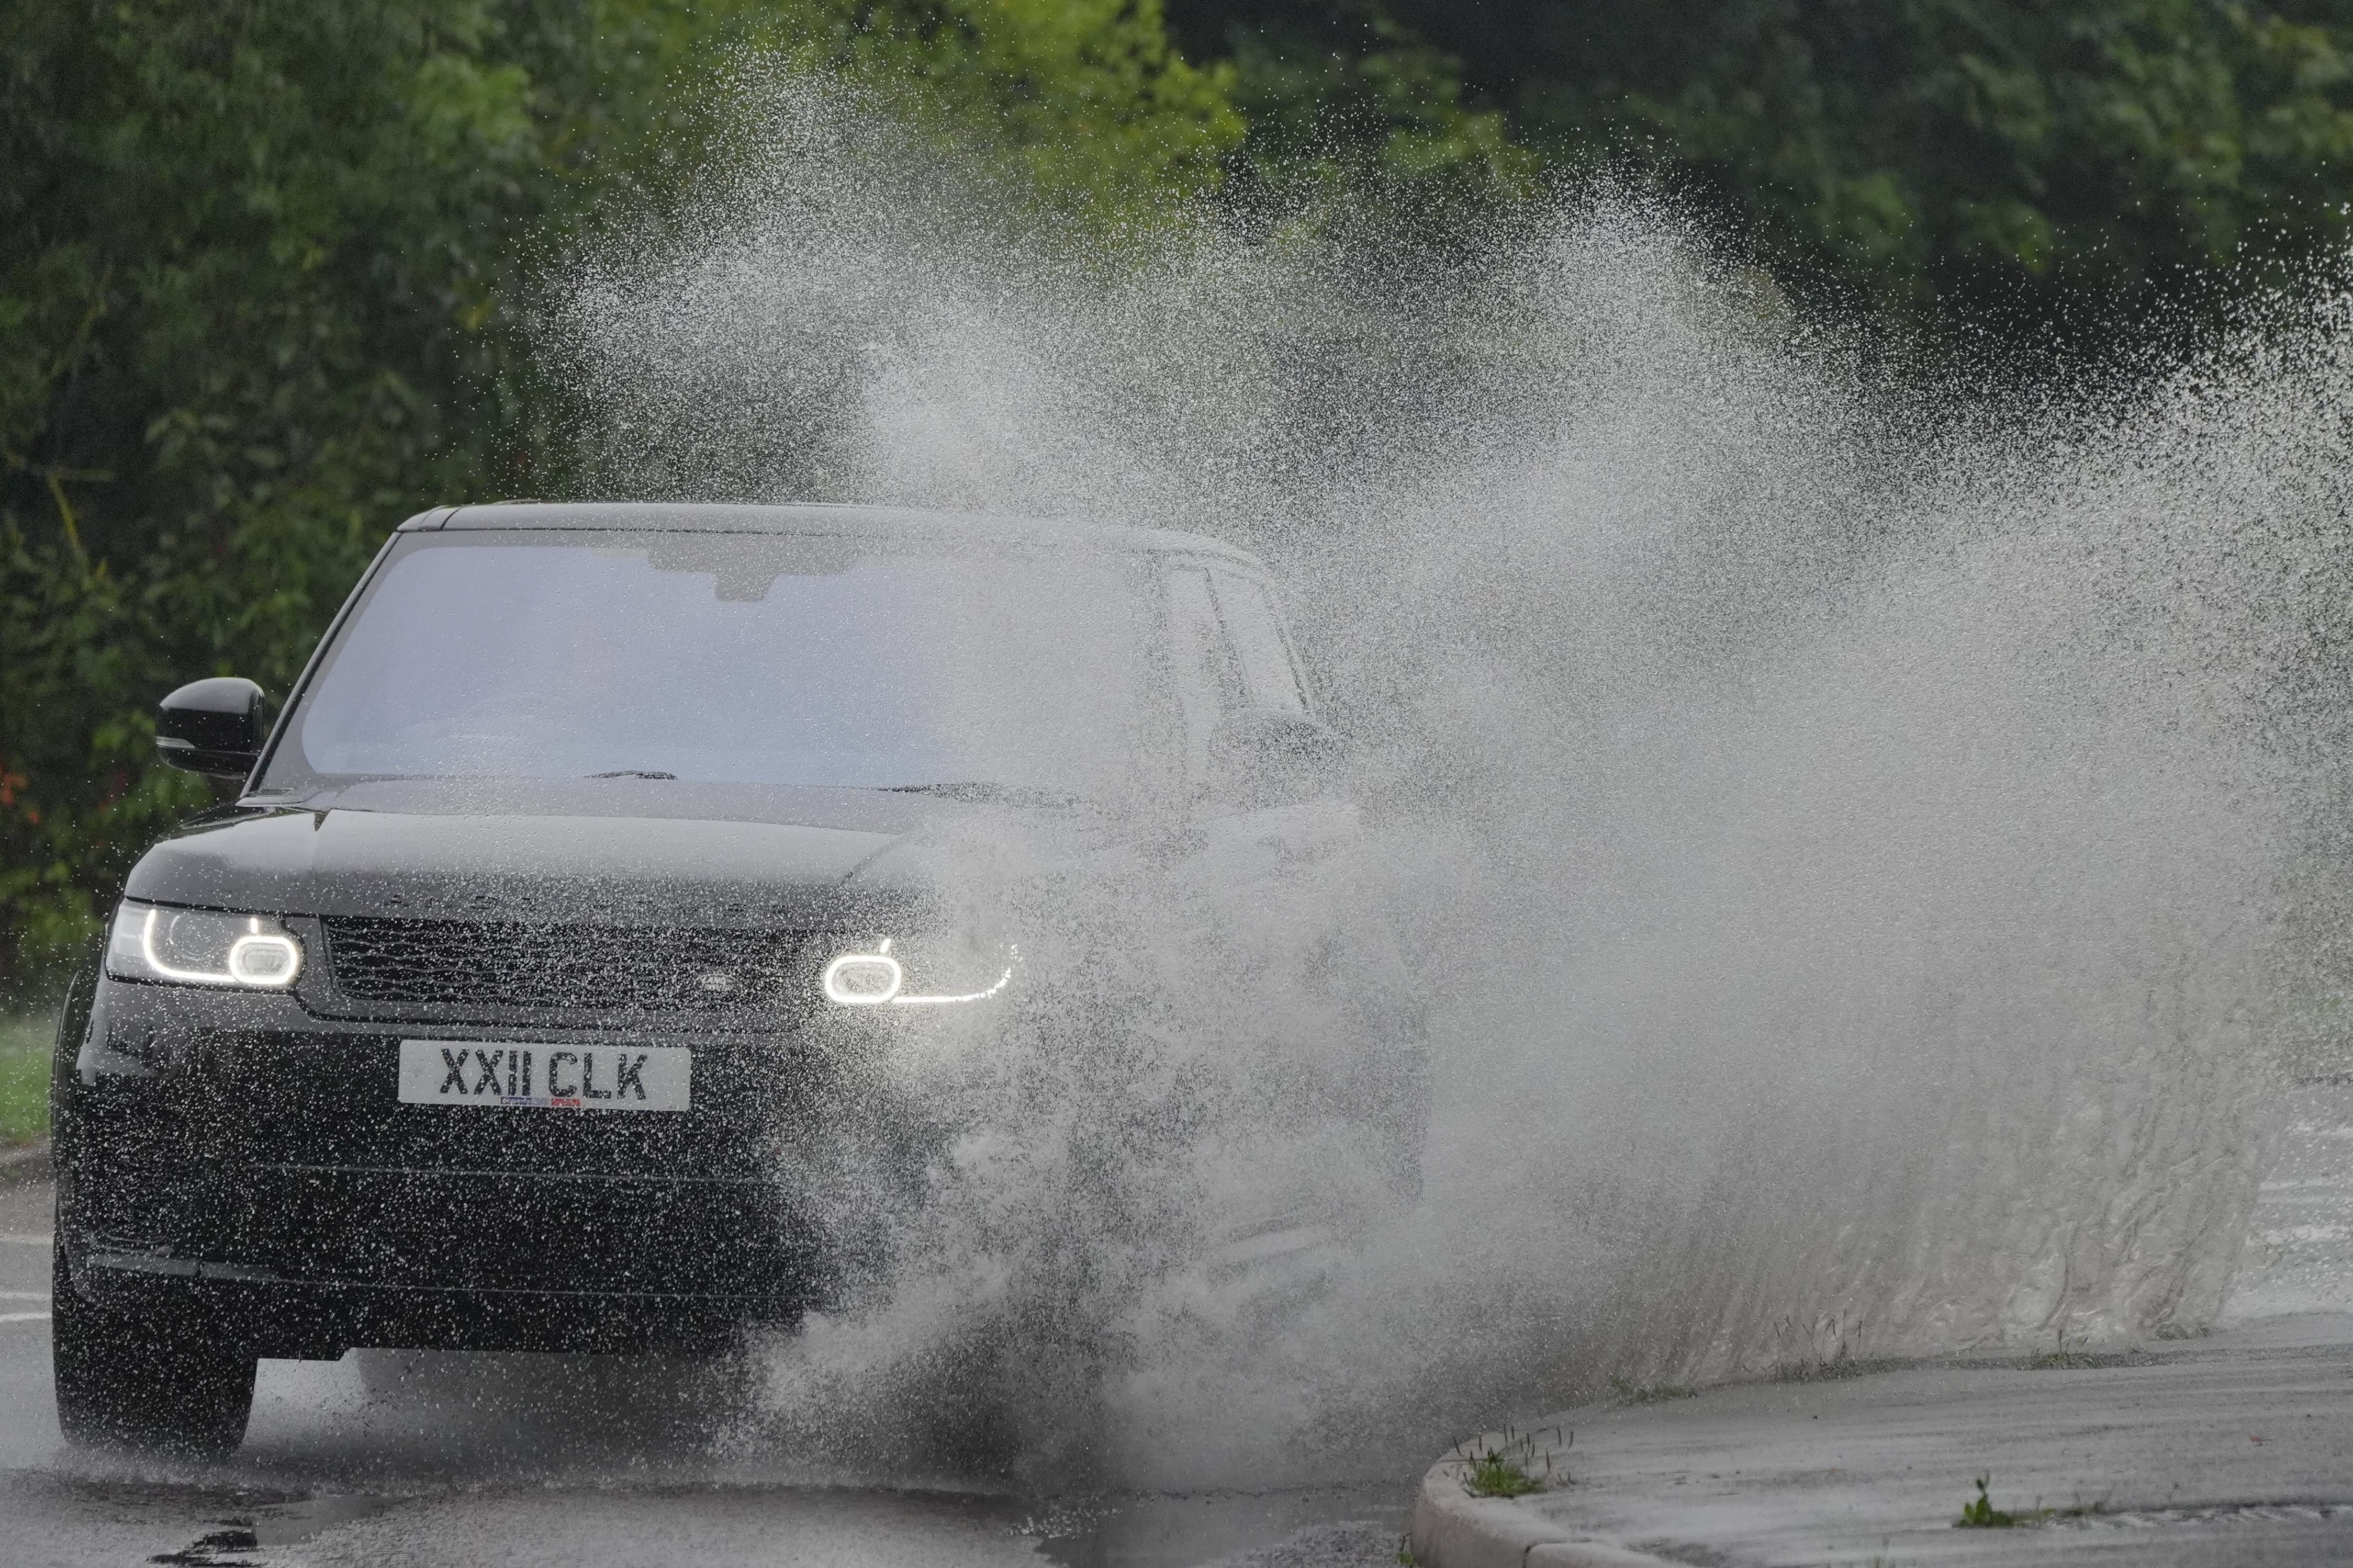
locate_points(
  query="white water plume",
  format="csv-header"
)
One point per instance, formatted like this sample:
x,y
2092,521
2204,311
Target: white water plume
x,y
1847,834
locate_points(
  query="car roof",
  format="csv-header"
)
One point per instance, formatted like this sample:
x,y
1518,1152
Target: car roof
x,y
880,522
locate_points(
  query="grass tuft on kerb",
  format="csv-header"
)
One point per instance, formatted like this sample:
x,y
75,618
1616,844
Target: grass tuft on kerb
x,y
1509,1471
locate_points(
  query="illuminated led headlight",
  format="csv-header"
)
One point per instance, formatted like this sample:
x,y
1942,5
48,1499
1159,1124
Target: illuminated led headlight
x,y
201,947
963,971
864,979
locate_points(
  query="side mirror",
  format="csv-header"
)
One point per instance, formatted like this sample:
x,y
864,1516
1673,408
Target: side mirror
x,y
213,727
1269,757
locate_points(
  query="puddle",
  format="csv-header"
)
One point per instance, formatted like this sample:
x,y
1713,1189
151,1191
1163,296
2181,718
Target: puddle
x,y
229,1541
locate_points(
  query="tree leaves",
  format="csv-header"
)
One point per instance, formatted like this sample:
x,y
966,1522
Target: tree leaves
x,y
267,282
2051,173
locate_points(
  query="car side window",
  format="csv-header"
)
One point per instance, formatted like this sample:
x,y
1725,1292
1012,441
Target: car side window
x,y
1209,677
1270,673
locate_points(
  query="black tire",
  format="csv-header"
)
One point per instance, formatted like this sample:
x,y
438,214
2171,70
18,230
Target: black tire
x,y
164,1381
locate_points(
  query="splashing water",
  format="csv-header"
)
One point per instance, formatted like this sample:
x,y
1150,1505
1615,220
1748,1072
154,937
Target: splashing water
x,y
1850,835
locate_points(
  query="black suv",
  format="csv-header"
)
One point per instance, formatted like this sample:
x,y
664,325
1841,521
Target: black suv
x,y
594,861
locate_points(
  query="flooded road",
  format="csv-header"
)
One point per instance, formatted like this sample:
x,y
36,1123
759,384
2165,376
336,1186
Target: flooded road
x,y
449,1459
386,1459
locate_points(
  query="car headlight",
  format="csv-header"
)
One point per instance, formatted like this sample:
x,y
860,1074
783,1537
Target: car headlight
x,y
919,973
201,947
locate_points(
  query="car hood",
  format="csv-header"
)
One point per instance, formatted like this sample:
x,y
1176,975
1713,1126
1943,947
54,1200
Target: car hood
x,y
653,852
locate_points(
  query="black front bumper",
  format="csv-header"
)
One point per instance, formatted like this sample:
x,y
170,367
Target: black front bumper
x,y
242,1156
269,1316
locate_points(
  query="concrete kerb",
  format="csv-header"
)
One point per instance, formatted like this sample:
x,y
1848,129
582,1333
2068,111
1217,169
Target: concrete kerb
x,y
1453,1529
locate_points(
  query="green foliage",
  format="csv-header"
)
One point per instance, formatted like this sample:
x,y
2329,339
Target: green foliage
x,y
2057,165
1089,95
1341,97
1631,1393
2066,1355
1504,1472
2052,170
24,1045
266,266
251,252
1492,1474
266,271
1980,1513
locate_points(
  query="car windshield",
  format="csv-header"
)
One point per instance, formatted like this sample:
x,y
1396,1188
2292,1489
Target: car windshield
x,y
730,659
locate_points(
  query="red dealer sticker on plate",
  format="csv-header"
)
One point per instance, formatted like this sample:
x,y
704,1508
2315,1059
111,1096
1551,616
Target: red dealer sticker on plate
x,y
535,1074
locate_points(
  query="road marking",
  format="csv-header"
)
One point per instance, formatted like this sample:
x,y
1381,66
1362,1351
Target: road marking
x,y
26,1238
24,1317
23,1295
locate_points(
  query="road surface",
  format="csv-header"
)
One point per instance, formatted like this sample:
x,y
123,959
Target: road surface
x,y
449,1462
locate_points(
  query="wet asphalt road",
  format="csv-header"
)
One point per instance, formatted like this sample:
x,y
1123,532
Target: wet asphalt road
x,y
348,1463
356,1463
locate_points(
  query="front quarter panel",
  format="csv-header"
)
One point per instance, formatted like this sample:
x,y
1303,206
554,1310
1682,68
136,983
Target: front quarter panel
x,y
250,859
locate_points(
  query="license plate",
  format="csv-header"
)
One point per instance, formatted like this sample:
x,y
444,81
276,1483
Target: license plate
x,y
557,1078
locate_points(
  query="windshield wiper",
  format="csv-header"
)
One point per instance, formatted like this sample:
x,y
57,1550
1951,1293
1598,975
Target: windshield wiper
x,y
982,791
633,774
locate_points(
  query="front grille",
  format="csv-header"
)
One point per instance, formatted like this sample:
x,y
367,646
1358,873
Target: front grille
x,y
493,964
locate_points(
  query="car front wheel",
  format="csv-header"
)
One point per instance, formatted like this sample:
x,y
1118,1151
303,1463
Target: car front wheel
x,y
163,1380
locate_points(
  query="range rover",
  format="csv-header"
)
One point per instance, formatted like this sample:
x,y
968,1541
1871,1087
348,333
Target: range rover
x,y
540,986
